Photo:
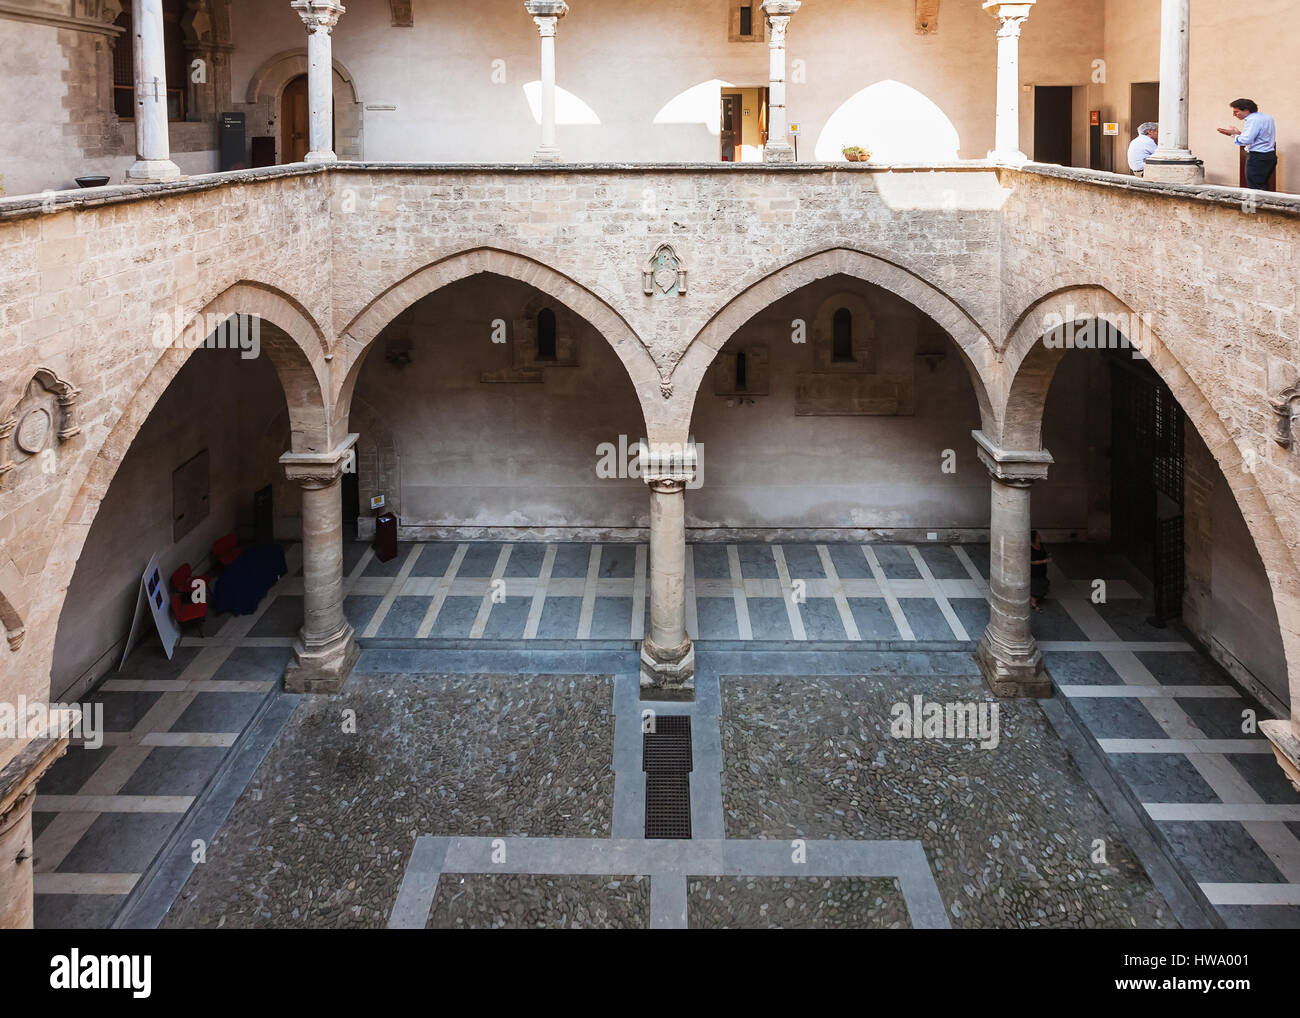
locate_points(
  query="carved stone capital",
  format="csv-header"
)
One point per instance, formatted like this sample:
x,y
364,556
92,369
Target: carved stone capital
x,y
668,468
320,469
777,27
781,8
1011,16
319,15
1018,468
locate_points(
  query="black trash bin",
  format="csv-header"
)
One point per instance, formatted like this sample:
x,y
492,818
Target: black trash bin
x,y
386,537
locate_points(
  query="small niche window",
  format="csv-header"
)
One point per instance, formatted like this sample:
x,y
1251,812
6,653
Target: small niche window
x,y
746,19
842,344
742,372
546,335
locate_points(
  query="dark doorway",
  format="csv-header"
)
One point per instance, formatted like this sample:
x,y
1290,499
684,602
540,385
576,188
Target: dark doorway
x,y
1053,137
730,127
295,121
264,515
1143,105
351,503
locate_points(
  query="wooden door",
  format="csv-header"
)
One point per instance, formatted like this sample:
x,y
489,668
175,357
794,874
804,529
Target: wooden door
x,y
295,122
730,127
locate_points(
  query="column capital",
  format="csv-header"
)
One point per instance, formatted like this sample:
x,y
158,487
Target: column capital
x,y
781,8
1018,468
319,15
546,13
319,469
668,467
1012,15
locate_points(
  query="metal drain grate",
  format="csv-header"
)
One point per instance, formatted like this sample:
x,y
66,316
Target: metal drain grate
x,y
668,747
667,804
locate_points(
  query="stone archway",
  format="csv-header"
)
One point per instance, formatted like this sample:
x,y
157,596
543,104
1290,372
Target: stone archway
x,y
295,346
1030,367
267,85
757,294
360,334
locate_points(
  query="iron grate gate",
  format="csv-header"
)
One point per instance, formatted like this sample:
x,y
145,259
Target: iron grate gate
x,y
1147,463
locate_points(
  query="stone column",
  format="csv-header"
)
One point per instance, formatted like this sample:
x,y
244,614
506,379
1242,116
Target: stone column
x,y
547,14
325,650
1173,161
667,654
1008,656
1011,16
319,17
153,160
778,13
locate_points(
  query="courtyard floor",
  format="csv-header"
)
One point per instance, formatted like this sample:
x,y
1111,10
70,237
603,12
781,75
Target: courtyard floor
x,y
483,766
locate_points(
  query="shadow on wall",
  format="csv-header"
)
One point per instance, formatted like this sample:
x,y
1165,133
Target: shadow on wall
x,y
894,122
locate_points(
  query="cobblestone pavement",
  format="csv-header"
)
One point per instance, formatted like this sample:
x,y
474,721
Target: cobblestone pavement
x,y
322,835
1010,831
491,901
834,903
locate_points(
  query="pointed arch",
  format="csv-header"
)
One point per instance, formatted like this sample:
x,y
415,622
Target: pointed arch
x,y
360,334
1030,367
771,285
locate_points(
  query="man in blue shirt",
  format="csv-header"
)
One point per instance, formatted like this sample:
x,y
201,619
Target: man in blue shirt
x,y
1259,139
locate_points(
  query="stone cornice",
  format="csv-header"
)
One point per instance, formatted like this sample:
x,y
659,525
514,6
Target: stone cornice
x,y
19,776
29,206
1019,467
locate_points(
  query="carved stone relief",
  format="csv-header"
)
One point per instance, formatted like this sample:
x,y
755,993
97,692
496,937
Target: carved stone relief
x,y
43,418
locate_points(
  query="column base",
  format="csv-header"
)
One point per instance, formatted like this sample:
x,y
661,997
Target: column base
x,y
322,667
1175,171
667,675
146,171
1286,746
547,155
1017,673
320,157
778,153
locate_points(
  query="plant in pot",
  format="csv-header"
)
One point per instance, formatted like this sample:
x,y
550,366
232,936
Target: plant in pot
x,y
856,154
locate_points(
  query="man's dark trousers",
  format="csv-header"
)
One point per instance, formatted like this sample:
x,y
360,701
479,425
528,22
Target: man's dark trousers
x,y
1259,169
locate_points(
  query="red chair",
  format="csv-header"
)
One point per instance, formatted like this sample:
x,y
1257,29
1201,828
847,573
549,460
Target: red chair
x,y
183,605
226,549
183,580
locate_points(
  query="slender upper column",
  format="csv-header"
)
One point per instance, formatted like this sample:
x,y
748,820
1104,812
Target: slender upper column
x,y
152,145
325,650
1008,655
667,654
319,17
778,13
1011,17
1173,160
547,14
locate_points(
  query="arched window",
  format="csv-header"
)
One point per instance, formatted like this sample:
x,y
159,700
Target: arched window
x,y
742,371
177,69
546,335
842,347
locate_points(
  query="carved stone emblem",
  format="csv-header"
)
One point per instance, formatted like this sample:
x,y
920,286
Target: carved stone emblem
x,y
664,273
34,430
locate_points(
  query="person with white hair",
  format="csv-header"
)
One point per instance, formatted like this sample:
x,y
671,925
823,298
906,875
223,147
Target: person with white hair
x,y
1146,142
